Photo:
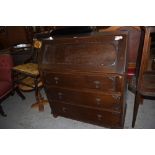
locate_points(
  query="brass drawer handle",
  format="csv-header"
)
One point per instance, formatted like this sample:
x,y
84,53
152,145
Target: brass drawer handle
x,y
98,101
117,107
99,116
56,80
112,78
64,109
97,84
116,97
60,95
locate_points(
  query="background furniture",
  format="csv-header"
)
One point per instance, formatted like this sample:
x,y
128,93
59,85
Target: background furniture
x,y
22,53
19,40
13,35
6,81
85,77
145,82
6,84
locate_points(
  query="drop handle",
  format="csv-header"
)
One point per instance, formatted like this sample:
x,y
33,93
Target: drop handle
x,y
56,80
60,95
117,107
64,109
98,101
97,84
99,116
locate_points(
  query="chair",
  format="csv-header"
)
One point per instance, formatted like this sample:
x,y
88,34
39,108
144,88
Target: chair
x,y
6,83
28,79
145,80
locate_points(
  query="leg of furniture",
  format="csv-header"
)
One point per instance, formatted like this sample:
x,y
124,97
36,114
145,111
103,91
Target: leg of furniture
x,y
2,111
20,93
54,115
16,88
136,106
141,99
40,101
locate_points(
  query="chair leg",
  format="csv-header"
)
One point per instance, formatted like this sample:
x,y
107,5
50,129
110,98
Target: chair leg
x,y
20,93
2,111
141,100
138,100
12,93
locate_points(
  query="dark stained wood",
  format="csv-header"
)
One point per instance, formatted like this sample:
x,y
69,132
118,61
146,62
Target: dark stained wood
x,y
98,117
108,58
85,77
86,98
106,82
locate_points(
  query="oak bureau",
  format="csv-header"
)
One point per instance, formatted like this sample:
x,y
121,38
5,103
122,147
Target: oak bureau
x,y
85,77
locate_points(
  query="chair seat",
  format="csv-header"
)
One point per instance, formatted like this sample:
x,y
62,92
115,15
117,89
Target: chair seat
x,y
5,87
29,68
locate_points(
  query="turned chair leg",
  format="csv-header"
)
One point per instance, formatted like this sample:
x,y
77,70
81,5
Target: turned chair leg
x,y
2,111
138,100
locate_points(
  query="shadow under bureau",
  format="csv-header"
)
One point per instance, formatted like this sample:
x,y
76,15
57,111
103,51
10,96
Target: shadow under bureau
x,y
85,77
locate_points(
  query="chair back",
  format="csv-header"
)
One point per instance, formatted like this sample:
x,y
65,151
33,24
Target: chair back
x,y
6,64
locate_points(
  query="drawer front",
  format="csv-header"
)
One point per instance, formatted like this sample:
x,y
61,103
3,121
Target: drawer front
x,y
101,83
87,99
98,117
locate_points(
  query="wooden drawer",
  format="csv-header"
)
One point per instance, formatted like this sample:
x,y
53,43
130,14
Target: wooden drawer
x,y
95,82
98,117
110,102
